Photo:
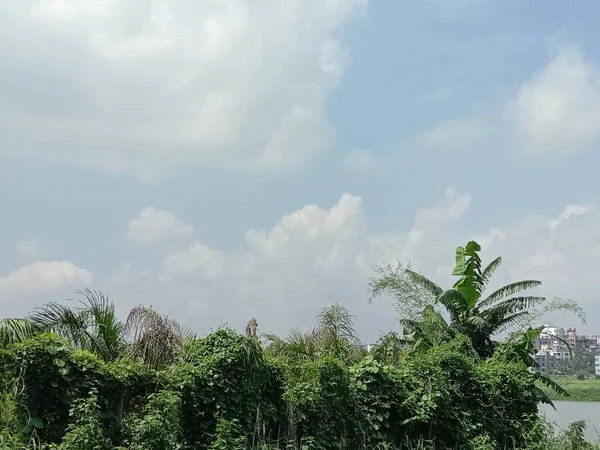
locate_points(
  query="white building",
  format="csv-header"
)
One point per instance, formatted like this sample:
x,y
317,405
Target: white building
x,y
554,331
597,365
544,361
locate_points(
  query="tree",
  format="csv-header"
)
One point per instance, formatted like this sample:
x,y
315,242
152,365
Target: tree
x,y
470,312
581,363
334,335
520,347
146,336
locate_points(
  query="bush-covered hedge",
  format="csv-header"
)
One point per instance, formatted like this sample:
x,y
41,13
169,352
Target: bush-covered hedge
x,y
54,376
227,392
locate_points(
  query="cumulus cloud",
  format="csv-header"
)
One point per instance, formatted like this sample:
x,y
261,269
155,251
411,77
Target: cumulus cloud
x,y
555,112
317,255
558,110
199,261
144,89
42,276
310,258
559,250
154,225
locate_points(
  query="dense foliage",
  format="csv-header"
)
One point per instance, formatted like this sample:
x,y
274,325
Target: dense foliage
x,y
79,379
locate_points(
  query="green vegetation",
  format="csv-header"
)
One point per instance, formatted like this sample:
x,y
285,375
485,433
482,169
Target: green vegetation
x,y
79,378
586,390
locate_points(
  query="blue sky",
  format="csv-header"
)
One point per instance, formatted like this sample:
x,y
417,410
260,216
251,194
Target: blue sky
x,y
168,152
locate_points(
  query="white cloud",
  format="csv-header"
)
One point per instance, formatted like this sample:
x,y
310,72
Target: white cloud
x,y
198,261
308,259
31,249
562,251
309,226
144,89
154,225
43,276
315,256
318,255
558,110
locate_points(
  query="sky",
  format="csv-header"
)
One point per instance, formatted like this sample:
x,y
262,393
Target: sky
x,y
229,159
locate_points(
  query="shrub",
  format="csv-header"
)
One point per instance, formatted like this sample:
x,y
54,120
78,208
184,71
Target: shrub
x,y
85,431
159,427
226,376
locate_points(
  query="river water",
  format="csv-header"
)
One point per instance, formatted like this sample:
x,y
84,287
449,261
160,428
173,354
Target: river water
x,y
568,412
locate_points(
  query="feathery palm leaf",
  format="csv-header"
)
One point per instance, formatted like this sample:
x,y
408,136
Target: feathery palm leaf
x,y
156,339
336,332
454,302
490,269
107,330
13,331
424,282
503,323
297,347
510,289
64,321
508,307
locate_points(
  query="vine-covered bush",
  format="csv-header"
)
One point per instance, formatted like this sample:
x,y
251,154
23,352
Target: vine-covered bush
x,y
85,431
159,427
226,393
226,376
321,400
54,376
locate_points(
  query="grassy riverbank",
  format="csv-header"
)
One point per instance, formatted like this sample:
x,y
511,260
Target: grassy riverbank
x,y
587,390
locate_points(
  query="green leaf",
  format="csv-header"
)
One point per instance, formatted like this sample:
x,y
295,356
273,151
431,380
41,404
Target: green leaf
x,y
459,261
37,423
471,248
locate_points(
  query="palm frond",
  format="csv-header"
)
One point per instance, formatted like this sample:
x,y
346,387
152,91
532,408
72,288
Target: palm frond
x,y
489,270
71,324
506,322
454,302
477,321
512,305
424,282
336,320
553,305
157,340
509,289
408,294
16,330
106,328
548,382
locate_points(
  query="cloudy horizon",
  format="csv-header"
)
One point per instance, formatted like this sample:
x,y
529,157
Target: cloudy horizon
x,y
231,159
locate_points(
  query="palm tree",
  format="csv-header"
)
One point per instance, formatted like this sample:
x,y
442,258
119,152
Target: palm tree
x,y
155,339
92,325
297,347
336,332
146,336
471,313
334,336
